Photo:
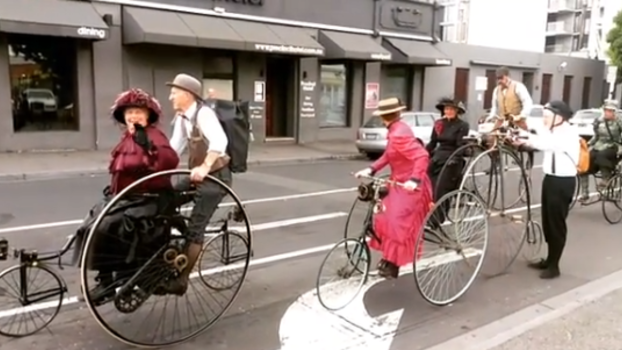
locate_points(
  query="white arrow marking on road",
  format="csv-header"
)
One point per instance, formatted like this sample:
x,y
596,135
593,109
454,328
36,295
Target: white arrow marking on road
x,y
308,325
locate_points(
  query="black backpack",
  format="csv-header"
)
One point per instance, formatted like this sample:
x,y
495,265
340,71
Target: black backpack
x,y
235,120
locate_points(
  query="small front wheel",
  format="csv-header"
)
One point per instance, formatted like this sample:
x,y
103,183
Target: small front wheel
x,y
612,200
343,273
30,298
534,241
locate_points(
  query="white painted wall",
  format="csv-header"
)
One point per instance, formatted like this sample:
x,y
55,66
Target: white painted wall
x,y
508,24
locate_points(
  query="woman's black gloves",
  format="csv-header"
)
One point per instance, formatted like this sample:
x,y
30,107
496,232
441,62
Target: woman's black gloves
x,y
141,138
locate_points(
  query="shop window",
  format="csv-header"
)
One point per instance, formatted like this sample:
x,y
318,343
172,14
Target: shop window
x,y
43,83
333,99
218,76
396,83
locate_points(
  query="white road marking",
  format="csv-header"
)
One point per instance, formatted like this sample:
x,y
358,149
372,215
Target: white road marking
x,y
229,204
255,228
352,325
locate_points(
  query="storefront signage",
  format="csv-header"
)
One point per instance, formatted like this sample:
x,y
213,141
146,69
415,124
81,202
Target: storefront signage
x,y
381,56
307,107
242,2
259,91
89,32
372,95
443,62
481,83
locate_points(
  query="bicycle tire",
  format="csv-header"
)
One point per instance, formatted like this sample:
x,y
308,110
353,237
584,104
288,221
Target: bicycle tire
x,y
359,254
54,305
613,195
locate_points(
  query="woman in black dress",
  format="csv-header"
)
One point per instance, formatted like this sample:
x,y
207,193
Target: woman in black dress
x,y
447,136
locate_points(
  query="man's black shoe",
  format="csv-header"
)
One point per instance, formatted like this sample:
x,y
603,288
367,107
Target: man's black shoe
x,y
550,273
539,265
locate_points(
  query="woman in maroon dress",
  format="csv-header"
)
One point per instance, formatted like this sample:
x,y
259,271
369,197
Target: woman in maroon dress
x,y
143,150
405,207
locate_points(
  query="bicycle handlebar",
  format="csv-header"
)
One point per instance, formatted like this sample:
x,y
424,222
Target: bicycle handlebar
x,y
380,180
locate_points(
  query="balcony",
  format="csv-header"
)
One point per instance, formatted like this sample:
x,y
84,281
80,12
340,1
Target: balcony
x,y
558,48
561,6
560,28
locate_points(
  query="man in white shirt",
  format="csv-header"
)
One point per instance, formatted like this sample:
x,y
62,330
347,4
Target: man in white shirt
x,y
560,143
197,128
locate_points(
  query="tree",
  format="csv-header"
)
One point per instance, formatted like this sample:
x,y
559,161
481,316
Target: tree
x,y
614,39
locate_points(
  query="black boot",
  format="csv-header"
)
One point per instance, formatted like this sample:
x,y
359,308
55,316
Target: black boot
x,y
552,268
542,264
550,273
104,288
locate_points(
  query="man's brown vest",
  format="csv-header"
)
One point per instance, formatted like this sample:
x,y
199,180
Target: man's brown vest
x,y
508,103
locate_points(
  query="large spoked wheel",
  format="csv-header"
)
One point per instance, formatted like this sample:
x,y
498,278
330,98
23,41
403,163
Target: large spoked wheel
x,y
508,225
612,200
534,242
449,256
30,298
463,155
138,250
343,273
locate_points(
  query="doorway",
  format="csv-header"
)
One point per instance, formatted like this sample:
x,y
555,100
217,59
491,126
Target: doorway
x,y
545,88
461,85
280,98
528,81
567,88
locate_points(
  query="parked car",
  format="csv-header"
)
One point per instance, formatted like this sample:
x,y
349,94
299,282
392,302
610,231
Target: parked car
x,y
583,119
372,136
534,117
43,99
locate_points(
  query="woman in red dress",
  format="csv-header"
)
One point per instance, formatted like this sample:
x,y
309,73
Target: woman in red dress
x,y
405,207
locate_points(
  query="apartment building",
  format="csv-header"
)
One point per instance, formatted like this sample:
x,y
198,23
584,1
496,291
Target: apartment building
x,y
508,24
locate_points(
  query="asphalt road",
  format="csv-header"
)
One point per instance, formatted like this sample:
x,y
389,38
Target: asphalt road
x,y
298,212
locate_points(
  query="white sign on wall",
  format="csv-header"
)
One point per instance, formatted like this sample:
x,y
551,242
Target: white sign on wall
x,y
481,83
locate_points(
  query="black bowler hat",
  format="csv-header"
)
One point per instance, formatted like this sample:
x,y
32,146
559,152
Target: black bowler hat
x,y
560,108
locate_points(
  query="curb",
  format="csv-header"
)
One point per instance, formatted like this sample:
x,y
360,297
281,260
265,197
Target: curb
x,y
60,174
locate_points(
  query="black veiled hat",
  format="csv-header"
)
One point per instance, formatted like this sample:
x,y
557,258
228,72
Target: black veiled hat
x,y
450,102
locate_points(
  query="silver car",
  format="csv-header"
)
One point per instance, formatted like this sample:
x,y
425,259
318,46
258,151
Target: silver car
x,y
372,136
583,119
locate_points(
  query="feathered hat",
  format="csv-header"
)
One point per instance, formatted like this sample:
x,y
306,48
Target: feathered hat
x,y
450,102
139,99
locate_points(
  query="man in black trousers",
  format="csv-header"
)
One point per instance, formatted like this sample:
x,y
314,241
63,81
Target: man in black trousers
x,y
560,143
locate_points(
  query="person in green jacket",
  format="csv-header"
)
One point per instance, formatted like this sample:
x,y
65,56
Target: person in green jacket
x,y
605,148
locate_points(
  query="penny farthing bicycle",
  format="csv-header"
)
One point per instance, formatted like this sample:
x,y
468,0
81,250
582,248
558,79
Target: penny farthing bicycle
x,y
513,229
447,256
139,238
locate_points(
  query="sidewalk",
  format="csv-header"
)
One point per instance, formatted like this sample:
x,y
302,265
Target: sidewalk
x,y
594,326
23,166
588,317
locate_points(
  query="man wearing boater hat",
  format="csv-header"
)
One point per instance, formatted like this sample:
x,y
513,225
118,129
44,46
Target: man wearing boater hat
x,y
197,127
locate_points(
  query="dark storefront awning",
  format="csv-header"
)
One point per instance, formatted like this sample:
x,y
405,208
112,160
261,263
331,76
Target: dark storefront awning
x,y
271,38
145,26
416,52
52,17
353,46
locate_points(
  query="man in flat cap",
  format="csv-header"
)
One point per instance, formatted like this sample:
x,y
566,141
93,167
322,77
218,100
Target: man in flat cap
x,y
197,128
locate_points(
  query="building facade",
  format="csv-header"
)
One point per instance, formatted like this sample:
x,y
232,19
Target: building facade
x,y
493,23
312,70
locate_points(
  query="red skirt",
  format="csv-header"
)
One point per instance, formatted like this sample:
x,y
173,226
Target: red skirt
x,y
400,223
